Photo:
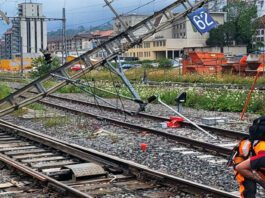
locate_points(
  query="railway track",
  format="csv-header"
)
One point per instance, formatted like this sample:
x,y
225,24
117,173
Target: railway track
x,y
222,146
219,131
12,78
209,153
76,171
17,184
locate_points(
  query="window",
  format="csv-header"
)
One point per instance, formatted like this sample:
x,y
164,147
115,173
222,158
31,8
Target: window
x,y
146,44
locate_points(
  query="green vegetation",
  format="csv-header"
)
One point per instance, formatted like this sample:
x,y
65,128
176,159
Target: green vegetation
x,y
40,67
239,27
208,99
57,121
37,106
173,75
165,63
5,90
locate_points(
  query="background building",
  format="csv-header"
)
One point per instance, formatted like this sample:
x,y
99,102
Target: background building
x,y
79,43
28,33
170,42
2,49
33,28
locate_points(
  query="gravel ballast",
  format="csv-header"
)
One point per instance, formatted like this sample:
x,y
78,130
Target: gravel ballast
x,y
162,154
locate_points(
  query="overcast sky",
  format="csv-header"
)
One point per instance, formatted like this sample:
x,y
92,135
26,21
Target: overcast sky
x,y
82,12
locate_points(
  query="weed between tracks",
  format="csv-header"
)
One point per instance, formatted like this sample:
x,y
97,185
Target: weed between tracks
x,y
56,121
5,90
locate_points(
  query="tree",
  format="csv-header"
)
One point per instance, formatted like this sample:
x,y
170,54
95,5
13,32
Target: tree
x,y
222,36
239,29
42,67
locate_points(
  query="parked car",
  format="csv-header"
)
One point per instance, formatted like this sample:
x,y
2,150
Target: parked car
x,y
127,66
154,64
137,65
77,67
177,62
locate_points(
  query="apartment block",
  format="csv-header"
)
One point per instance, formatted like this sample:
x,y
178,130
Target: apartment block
x,y
2,49
79,43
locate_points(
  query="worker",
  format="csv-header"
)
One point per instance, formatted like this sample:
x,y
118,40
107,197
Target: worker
x,y
249,160
247,187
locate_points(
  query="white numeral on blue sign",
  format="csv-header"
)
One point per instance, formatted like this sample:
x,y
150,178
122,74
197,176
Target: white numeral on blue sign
x,y
201,19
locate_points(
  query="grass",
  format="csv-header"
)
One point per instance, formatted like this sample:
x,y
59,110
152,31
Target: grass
x,y
37,107
5,90
208,99
174,75
57,121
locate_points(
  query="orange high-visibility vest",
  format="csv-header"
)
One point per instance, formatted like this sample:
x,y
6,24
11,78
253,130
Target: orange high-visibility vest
x,y
243,151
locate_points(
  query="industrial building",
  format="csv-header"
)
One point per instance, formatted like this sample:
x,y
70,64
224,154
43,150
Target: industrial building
x,y
28,33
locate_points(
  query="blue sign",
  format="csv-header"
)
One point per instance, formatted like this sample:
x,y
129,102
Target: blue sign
x,y
202,20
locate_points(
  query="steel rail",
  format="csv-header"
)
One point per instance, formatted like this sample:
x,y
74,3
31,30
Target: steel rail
x,y
194,143
90,153
41,177
223,132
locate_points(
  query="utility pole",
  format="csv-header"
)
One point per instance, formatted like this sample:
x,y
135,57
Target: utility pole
x,y
64,44
108,3
21,56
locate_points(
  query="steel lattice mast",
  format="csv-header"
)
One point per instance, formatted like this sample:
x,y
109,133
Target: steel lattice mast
x,y
127,39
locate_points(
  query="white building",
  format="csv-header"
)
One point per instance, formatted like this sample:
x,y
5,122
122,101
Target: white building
x,y
170,42
216,5
31,27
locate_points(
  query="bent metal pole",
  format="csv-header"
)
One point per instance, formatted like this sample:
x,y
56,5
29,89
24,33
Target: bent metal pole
x,y
188,120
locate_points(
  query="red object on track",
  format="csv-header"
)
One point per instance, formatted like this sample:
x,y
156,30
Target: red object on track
x,y
144,147
175,122
77,67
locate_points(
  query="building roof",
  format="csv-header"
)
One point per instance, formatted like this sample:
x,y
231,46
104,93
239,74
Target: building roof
x,y
261,22
29,3
134,14
88,35
9,31
104,33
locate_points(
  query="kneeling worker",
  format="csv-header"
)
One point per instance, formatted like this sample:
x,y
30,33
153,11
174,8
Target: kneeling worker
x,y
249,160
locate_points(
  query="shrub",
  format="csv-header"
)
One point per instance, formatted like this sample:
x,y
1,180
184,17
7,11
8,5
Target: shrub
x,y
165,63
41,67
